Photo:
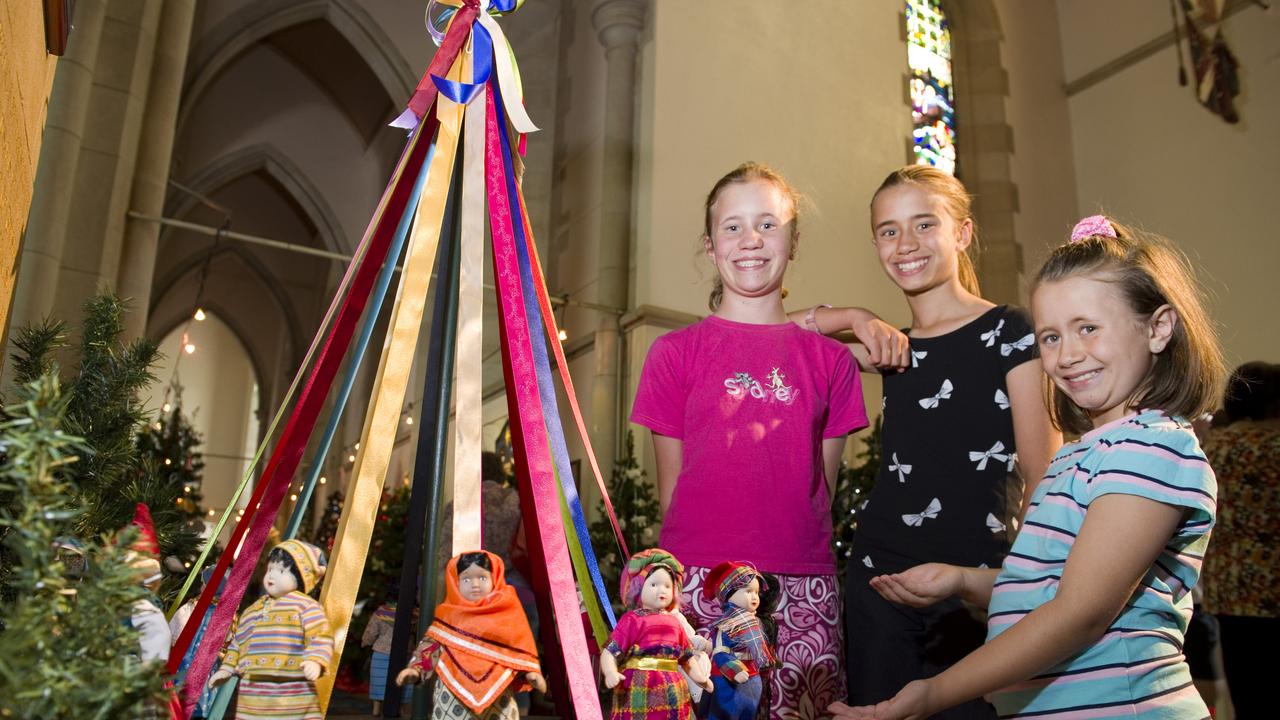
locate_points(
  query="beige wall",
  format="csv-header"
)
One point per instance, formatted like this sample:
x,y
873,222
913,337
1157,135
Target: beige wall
x,y
1147,152
26,78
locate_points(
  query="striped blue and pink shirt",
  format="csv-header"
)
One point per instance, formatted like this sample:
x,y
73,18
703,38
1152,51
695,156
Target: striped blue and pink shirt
x,y
1137,668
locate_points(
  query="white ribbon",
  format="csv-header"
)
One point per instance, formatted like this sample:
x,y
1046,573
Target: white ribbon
x,y
1022,343
943,394
991,335
995,452
899,468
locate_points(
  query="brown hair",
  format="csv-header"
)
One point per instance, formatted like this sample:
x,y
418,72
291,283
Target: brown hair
x,y
959,205
1149,272
746,172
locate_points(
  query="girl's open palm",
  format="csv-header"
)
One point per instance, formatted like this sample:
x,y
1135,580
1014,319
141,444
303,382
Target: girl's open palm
x,y
920,586
908,704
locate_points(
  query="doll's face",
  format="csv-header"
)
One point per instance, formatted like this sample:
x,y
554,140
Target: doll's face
x,y
475,583
658,590
747,598
279,580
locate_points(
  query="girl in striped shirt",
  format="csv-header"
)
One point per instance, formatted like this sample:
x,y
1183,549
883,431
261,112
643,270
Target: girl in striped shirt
x,y
1086,617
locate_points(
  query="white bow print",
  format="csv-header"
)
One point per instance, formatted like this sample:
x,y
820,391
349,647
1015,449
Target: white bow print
x,y
916,357
982,457
866,560
1021,343
931,512
1002,400
994,524
991,335
899,468
943,394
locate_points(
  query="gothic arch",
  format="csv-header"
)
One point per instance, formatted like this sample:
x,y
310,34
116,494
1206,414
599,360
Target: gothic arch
x,y
241,30
270,160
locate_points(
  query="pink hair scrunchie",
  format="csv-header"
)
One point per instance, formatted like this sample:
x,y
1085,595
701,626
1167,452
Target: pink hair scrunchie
x,y
1092,226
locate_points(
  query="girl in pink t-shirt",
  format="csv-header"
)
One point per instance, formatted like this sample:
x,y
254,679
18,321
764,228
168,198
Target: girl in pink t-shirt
x,y
749,414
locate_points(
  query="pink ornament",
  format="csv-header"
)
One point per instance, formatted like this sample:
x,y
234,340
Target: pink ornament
x,y
1092,226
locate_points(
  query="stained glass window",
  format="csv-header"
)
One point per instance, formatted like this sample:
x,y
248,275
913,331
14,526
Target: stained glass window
x,y
932,94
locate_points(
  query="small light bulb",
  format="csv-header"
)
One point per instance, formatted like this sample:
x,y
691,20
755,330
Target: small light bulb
x,y
351,458
293,498
408,420
167,461
158,425
189,349
199,316
166,407
186,564
322,480
563,335
186,489
357,446
211,513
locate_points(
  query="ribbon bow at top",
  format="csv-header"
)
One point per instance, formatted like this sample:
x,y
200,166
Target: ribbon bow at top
x,y
471,19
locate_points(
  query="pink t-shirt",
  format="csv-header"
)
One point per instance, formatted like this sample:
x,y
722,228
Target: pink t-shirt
x,y
751,405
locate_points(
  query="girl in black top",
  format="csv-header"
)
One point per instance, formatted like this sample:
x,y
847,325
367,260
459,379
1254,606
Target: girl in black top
x,y
964,423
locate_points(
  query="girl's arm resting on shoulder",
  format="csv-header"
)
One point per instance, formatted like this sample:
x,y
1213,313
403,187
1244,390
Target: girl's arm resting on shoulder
x,y
670,454
879,345
1121,538
1034,436
832,449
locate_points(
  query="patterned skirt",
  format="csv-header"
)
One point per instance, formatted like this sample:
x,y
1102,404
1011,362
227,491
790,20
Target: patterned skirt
x,y
260,700
448,707
378,678
652,695
810,642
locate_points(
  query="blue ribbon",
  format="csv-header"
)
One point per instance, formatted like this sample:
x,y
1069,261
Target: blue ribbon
x,y
546,386
482,67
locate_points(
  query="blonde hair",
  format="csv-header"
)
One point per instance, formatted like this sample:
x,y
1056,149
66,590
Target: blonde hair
x,y
1149,272
746,172
957,201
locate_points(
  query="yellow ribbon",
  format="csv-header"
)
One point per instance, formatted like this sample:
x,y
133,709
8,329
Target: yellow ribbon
x,y
355,528
467,511
651,663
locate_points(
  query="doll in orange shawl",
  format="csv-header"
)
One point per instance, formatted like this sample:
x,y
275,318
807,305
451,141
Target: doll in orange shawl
x,y
479,646
651,644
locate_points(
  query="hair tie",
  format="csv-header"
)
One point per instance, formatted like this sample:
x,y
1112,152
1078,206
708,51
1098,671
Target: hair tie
x,y
1092,226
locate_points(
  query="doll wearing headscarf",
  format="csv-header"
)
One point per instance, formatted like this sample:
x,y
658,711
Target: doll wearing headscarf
x,y
281,643
651,644
740,648
479,645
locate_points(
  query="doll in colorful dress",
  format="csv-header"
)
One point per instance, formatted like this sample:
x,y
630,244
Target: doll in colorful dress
x,y
740,649
281,643
651,644
479,646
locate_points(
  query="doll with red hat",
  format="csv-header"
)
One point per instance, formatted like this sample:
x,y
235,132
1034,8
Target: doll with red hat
x,y
479,645
740,649
146,617
651,644
281,643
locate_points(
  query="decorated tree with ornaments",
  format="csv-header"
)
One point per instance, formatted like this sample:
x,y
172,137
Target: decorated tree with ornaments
x,y
639,517
853,487
171,443
328,528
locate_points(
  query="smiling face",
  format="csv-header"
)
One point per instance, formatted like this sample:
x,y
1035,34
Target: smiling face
x,y
658,590
748,597
752,238
279,580
475,583
918,241
1092,345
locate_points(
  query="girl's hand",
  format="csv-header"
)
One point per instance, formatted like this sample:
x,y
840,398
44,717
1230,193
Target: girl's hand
x,y
409,676
887,347
910,703
311,669
922,585
219,677
611,677
538,682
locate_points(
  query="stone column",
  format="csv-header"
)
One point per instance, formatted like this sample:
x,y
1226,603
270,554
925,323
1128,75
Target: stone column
x,y
618,25
151,173
45,236
108,153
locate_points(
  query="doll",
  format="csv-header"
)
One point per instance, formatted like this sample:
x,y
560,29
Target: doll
x,y
740,649
770,596
479,645
652,644
281,643
377,634
146,617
